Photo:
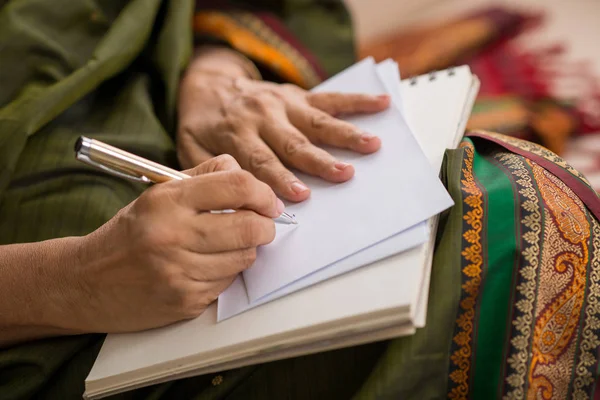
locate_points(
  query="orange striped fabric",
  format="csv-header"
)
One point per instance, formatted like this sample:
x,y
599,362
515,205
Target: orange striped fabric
x,y
253,38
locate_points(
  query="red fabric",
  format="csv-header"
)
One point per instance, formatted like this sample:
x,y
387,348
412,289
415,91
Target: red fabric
x,y
505,68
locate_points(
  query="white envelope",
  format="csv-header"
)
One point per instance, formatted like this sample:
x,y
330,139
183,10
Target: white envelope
x,y
340,220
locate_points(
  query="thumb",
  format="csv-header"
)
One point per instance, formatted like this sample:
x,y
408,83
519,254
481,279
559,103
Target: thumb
x,y
224,162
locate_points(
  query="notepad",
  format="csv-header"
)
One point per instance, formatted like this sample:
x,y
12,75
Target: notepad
x,y
392,190
385,299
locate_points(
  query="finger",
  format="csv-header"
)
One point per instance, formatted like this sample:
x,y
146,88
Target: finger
x,y
255,156
236,189
209,291
213,233
342,103
296,150
224,162
204,293
320,127
216,266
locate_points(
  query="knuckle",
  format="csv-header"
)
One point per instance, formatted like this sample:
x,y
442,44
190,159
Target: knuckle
x,y
350,133
251,102
223,161
258,102
153,197
226,139
251,229
158,240
150,222
318,100
282,176
330,97
167,195
319,96
260,160
242,184
294,144
291,88
247,257
240,178
319,121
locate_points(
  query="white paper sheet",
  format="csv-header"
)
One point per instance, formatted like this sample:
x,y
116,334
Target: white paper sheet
x,y
235,299
390,77
392,190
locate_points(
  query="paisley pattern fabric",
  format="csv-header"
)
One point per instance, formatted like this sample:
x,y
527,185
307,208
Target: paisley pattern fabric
x,y
528,321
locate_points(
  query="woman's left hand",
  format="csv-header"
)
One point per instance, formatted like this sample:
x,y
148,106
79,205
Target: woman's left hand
x,y
268,126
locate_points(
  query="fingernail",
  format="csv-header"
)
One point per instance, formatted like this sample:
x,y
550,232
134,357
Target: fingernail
x,y
298,188
365,137
383,97
280,206
341,165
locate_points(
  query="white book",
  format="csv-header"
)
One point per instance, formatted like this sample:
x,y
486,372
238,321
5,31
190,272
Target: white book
x,y
382,300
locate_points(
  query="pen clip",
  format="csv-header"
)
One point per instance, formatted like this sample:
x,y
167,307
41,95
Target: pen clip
x,y
87,160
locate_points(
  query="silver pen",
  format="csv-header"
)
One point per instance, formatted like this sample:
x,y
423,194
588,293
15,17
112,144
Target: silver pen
x,y
129,166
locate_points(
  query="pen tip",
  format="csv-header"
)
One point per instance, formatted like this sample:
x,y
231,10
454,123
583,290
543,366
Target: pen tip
x,y
290,218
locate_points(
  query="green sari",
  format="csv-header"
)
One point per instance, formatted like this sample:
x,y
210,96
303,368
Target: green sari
x,y
514,298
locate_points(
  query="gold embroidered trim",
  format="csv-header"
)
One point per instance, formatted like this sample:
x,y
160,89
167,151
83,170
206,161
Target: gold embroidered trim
x,y
523,323
584,378
473,255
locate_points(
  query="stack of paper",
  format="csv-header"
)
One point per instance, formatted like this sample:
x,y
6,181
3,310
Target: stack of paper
x,y
355,270
381,211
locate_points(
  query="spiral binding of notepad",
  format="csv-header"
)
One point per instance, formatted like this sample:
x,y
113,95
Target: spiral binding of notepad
x,y
432,76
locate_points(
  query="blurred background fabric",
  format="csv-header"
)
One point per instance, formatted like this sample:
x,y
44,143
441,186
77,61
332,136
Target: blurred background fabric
x,y
533,86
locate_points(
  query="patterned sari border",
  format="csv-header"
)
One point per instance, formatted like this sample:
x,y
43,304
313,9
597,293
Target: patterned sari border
x,y
520,337
472,254
587,360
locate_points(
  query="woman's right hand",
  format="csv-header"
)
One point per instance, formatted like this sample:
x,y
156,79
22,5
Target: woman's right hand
x,y
165,257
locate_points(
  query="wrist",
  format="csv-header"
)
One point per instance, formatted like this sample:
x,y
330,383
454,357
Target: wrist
x,y
39,285
223,61
62,297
